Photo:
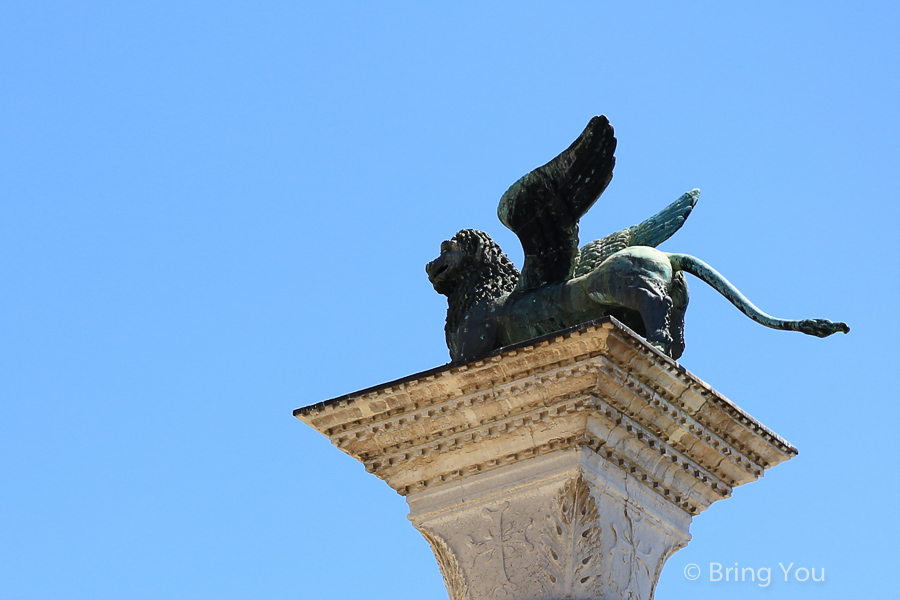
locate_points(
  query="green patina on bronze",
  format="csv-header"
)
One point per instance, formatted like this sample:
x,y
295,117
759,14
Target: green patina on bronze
x,y
492,304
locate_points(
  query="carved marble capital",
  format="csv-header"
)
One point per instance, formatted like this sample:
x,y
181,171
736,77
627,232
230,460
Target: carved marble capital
x,y
568,467
556,527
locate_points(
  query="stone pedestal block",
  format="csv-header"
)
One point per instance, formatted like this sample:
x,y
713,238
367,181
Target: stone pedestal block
x,y
566,467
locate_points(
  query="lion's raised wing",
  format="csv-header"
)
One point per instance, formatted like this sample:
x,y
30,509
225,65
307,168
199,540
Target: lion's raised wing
x,y
652,232
543,207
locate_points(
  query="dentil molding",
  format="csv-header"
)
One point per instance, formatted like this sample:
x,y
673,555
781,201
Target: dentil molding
x,y
566,467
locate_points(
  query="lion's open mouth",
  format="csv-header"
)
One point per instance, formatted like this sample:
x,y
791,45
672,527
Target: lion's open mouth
x,y
440,271
435,272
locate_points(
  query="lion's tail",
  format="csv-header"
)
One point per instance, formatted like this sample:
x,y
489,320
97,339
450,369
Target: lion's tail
x,y
698,268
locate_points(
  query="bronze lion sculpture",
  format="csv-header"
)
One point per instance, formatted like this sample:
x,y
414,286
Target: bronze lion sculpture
x,y
492,305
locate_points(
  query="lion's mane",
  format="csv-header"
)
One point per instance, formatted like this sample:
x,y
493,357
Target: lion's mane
x,y
487,274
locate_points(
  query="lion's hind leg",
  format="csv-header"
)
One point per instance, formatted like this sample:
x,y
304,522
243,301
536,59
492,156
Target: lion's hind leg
x,y
637,279
655,308
680,297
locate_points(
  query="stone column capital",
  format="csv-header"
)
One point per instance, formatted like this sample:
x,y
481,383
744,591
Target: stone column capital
x,y
566,467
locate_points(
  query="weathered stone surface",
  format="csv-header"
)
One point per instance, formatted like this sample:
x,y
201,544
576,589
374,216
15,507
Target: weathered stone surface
x,y
559,526
567,467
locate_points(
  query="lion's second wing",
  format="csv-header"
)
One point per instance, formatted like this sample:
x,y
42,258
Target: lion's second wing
x,y
652,232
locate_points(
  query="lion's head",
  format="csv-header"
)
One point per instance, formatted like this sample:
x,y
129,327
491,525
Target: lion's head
x,y
470,269
471,260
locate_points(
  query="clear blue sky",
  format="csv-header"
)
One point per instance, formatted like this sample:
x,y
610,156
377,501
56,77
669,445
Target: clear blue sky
x,y
214,213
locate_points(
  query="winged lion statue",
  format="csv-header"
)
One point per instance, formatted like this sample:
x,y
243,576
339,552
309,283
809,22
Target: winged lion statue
x,y
491,304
